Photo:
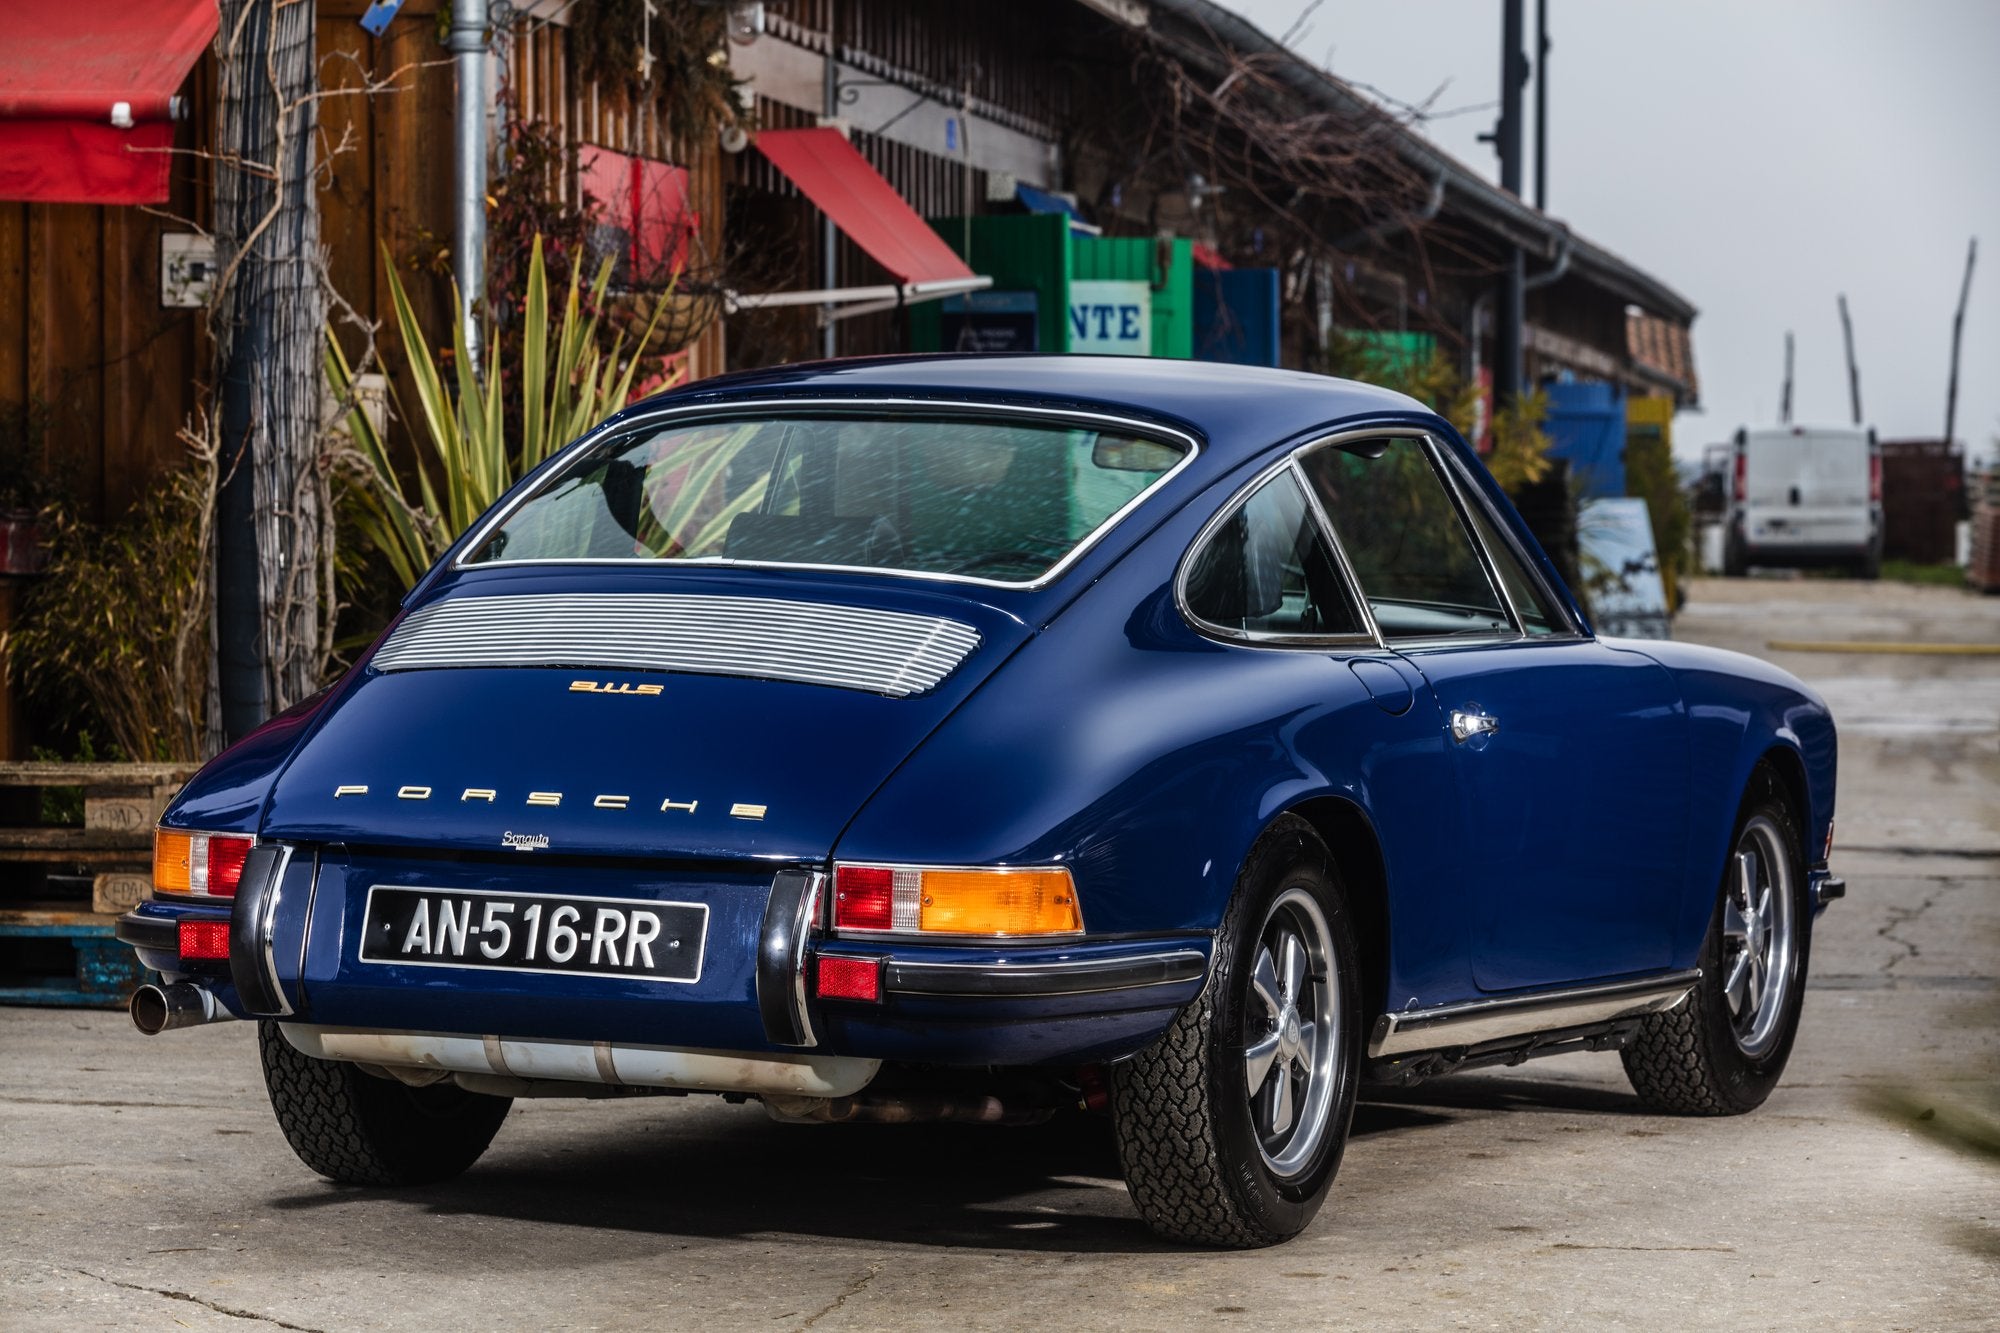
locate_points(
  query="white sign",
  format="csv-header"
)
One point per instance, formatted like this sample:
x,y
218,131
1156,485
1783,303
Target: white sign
x,y
1107,315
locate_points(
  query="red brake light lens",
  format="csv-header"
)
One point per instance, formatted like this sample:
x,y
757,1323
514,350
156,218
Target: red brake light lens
x,y
205,939
850,979
1875,478
1742,475
863,899
225,865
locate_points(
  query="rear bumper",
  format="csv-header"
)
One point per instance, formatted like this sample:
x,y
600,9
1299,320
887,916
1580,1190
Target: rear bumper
x,y
294,956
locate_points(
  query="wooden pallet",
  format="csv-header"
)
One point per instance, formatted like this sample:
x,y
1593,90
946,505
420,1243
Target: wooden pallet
x,y
121,803
52,956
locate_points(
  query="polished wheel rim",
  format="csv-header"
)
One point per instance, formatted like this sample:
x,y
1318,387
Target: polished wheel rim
x,y
1758,926
1292,1033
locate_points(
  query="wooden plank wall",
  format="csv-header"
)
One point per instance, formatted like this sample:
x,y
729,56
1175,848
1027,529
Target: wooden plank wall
x,y
82,330
542,86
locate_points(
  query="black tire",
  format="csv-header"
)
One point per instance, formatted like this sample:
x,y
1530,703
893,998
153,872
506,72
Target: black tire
x,y
1691,1060
1193,1156
1871,564
360,1129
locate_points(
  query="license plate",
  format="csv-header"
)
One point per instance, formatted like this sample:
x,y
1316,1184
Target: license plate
x,y
534,932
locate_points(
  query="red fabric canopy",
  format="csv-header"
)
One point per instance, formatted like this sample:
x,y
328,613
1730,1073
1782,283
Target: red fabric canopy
x,y
829,171
86,96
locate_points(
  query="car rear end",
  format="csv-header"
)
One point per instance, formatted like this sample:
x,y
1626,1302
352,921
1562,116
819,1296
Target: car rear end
x,y
1805,496
576,822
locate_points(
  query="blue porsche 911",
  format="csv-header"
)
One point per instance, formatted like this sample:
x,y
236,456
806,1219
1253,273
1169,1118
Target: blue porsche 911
x,y
980,738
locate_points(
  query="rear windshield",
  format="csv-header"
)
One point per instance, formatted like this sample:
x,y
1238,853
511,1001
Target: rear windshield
x,y
998,500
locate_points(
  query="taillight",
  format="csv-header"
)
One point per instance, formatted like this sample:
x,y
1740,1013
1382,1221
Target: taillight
x,y
201,865
1875,479
205,939
940,900
1742,476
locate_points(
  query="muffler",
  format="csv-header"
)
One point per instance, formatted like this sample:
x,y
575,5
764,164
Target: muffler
x,y
157,1009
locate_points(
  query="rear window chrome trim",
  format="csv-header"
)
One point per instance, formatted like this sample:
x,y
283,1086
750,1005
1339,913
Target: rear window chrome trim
x,y
768,407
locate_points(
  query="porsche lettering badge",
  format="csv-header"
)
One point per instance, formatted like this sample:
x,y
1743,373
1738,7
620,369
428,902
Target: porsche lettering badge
x,y
604,801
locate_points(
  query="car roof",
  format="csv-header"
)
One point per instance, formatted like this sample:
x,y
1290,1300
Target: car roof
x,y
1237,411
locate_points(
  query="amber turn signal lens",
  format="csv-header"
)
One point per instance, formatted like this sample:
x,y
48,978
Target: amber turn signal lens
x,y
998,902
173,860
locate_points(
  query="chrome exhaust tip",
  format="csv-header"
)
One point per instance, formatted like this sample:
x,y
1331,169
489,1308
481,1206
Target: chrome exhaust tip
x,y
157,1009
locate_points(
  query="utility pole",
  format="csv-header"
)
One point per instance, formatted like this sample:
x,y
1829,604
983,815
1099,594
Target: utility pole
x,y
1853,371
1506,139
1785,400
1542,105
1957,335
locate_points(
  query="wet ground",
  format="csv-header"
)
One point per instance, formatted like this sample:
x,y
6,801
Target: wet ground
x,y
144,1185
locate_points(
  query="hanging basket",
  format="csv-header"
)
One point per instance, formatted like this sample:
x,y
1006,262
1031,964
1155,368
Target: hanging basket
x,y
684,314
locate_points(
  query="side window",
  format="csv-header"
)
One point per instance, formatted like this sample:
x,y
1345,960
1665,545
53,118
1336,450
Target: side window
x,y
1416,562
1266,569
1538,614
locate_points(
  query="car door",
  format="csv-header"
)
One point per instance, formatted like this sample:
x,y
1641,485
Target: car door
x,y
1265,575
1570,754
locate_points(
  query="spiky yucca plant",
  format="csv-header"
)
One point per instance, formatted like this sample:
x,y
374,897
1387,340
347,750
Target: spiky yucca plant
x,y
465,460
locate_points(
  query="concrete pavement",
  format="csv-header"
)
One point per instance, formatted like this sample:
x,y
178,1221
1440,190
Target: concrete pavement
x,y
143,1183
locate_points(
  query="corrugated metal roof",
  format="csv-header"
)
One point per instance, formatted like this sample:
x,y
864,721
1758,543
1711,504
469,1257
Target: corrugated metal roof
x,y
1466,191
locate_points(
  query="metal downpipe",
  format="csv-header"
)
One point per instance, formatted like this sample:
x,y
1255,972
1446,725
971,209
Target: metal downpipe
x,y
468,256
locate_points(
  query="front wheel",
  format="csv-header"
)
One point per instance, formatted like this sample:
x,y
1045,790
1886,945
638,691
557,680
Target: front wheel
x,y
360,1129
1231,1126
1721,1051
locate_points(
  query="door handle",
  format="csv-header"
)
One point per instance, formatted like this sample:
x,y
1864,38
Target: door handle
x,y
1469,722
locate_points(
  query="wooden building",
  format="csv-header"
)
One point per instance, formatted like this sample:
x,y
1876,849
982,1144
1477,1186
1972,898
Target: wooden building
x,y
967,111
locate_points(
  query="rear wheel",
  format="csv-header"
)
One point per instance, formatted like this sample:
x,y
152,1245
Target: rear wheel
x,y
1231,1126
359,1129
1722,1050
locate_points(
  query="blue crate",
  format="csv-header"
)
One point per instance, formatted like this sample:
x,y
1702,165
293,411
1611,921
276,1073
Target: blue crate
x,y
101,973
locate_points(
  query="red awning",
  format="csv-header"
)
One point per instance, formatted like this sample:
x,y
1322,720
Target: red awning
x,y
87,96
829,171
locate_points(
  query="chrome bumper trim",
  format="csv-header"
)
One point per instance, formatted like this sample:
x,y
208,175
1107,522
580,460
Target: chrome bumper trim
x,y
1018,980
1827,887
253,922
589,1061
1478,1021
791,916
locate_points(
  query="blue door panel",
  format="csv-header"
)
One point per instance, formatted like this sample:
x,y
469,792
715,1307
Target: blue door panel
x,y
1575,811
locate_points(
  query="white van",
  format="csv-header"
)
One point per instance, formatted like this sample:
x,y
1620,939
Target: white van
x,y
1806,495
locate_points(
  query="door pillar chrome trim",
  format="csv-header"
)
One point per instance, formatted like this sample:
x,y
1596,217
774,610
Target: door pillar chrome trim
x,y
1479,1021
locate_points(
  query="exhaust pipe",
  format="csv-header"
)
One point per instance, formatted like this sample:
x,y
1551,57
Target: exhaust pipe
x,y
157,1009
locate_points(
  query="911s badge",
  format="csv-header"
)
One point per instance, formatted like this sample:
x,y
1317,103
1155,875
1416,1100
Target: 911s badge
x,y
613,687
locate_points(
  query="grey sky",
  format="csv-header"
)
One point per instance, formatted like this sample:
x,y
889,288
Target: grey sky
x,y
1760,157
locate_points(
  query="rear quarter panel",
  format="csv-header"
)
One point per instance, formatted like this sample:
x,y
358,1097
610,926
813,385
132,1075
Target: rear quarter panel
x,y
1741,709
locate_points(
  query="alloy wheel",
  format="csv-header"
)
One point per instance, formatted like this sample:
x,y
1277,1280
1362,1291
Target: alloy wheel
x,y
1759,930
1292,1033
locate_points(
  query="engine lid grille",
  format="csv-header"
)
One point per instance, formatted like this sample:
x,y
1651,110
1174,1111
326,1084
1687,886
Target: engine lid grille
x,y
896,653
